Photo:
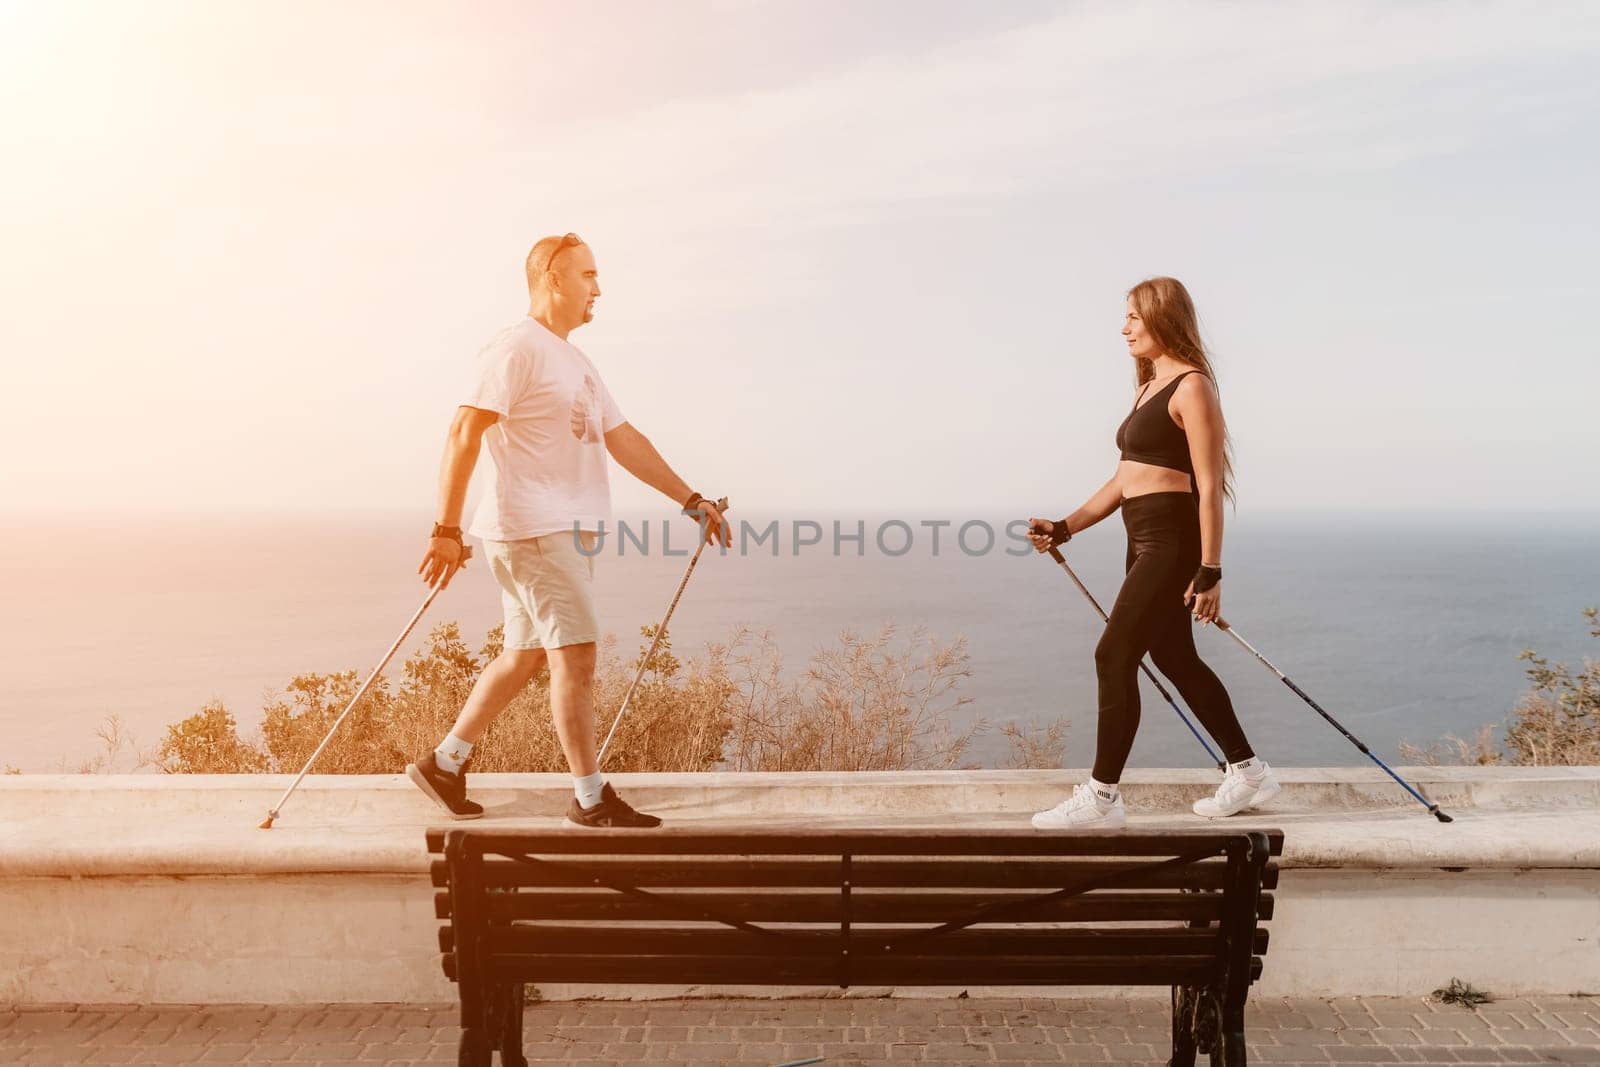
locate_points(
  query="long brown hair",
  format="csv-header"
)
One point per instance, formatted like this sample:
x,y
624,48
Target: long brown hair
x,y
1168,313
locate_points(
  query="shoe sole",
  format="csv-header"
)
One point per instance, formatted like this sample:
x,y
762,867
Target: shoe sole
x,y
1255,803
568,823
1123,825
420,780
1260,800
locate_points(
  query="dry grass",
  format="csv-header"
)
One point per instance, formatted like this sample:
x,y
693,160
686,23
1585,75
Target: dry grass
x,y
1036,746
868,703
1555,724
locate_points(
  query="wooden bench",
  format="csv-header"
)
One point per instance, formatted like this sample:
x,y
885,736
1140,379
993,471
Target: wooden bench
x,y
801,907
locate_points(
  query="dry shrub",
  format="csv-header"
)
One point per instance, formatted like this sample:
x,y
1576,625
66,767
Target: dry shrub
x,y
119,751
1556,724
1450,750
678,716
1036,746
208,743
869,704
676,720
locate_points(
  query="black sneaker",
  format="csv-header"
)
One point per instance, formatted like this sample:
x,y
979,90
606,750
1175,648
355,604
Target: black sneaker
x,y
611,811
449,791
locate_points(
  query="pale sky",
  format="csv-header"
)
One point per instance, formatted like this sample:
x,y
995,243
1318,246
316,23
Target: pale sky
x,y
855,256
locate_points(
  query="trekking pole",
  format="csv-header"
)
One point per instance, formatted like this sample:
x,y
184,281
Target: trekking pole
x,y
1433,809
438,586
1055,554
722,506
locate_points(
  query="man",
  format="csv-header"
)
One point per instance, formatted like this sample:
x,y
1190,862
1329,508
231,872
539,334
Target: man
x,y
550,422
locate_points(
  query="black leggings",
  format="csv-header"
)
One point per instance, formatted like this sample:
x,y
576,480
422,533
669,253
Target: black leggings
x,y
1150,616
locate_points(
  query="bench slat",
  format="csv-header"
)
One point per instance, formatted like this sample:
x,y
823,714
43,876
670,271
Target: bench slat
x,y
525,939
450,973
801,842
865,906
824,907
922,970
865,873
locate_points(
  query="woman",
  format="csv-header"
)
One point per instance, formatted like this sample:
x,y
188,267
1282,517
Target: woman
x,y
1170,484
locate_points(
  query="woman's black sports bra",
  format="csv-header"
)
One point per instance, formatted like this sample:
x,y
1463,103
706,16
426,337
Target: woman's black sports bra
x,y
1148,434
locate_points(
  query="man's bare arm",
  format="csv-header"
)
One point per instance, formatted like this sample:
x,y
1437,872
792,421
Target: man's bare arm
x,y
461,448
635,454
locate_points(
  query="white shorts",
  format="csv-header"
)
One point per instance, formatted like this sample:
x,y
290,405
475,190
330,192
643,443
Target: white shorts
x,y
546,589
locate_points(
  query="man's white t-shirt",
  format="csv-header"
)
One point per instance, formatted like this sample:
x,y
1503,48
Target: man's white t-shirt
x,y
547,446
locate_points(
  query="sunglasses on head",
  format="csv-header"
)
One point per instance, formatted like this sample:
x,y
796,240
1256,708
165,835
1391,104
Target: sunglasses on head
x,y
570,240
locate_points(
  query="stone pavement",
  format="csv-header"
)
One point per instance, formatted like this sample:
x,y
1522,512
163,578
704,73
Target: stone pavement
x,y
853,1030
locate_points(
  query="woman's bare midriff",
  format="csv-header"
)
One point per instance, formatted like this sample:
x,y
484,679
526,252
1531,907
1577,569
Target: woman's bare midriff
x,y
1137,479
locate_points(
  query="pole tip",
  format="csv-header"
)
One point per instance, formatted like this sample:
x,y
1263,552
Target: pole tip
x,y
1441,816
266,824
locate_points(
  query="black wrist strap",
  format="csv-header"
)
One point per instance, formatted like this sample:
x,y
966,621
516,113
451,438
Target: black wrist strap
x,y
452,533
1206,577
1059,534
692,505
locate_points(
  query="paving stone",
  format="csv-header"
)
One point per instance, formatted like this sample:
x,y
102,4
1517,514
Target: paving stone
x,y
1359,1054
1544,1039
1570,1055
272,1053
1438,1038
1136,1053
1390,1037
1300,1039
853,1053
964,1052
694,1052
1150,1035
170,1054
849,1030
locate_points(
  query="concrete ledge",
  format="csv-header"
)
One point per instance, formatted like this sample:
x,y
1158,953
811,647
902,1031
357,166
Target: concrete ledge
x,y
153,889
1505,818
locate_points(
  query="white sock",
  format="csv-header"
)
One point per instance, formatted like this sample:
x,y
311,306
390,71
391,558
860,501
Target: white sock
x,y
452,753
1105,796
1251,768
588,789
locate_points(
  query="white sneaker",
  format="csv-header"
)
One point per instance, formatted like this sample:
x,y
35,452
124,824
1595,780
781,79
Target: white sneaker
x,y
1082,811
1241,788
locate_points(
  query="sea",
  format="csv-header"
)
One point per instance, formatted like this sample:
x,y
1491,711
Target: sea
x,y
1403,627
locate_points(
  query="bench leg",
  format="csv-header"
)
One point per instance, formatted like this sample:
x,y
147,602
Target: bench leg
x,y
473,1051
1184,1008
511,1028
1230,1036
